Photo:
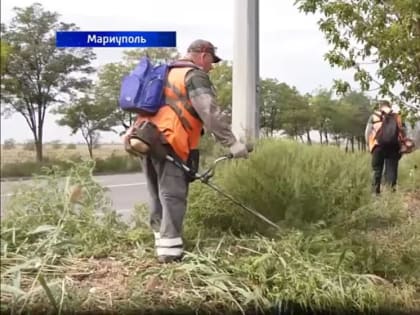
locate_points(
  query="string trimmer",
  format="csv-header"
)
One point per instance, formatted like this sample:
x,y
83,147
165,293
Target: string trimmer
x,y
205,177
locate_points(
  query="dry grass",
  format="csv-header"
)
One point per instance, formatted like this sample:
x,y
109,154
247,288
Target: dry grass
x,y
19,154
412,201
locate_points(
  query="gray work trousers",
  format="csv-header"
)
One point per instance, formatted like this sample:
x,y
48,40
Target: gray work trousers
x,y
168,191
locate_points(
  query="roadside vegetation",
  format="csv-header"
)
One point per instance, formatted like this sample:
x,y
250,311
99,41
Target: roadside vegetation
x,y
63,248
18,160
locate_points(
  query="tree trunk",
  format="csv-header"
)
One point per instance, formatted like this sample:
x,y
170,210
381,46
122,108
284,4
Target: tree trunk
x,y
90,148
347,144
363,143
326,137
89,141
272,125
37,133
320,135
38,143
308,137
38,147
41,116
352,144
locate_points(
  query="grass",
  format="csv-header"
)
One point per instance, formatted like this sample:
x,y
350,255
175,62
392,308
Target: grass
x,y
289,183
63,248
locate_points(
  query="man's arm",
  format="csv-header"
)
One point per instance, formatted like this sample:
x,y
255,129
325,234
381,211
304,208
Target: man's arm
x,y
203,99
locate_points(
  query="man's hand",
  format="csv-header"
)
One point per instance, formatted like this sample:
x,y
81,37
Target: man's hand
x,y
239,150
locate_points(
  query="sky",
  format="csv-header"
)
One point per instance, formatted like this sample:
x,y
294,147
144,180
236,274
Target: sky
x,y
291,45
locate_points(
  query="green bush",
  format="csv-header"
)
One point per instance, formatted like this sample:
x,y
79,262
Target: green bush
x,y
383,239
48,211
30,168
287,182
409,171
114,163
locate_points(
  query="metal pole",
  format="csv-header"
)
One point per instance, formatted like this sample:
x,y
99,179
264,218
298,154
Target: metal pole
x,y
245,94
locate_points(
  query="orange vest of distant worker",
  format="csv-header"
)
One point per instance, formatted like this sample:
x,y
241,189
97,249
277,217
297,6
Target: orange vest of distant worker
x,y
177,120
376,125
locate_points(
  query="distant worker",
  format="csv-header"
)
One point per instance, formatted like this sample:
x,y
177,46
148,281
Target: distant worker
x,y
385,136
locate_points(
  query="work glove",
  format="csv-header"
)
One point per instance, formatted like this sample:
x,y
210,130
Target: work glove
x,y
239,150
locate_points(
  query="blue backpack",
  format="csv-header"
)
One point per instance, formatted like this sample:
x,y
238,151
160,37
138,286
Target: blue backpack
x,y
142,91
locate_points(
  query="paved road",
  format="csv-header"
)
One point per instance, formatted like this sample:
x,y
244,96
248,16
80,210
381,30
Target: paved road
x,y
125,190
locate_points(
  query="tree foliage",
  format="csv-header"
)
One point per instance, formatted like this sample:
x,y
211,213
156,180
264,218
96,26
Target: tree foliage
x,y
37,74
221,77
272,95
88,117
4,52
385,34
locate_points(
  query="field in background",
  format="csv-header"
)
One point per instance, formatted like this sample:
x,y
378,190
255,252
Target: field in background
x,y
20,154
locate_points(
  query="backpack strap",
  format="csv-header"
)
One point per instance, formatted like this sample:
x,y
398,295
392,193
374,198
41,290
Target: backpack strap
x,y
173,103
181,117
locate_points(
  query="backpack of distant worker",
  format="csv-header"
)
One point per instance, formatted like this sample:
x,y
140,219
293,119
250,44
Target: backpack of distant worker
x,y
388,133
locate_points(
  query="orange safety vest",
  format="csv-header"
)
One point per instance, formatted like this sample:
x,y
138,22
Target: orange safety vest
x,y
376,125
177,120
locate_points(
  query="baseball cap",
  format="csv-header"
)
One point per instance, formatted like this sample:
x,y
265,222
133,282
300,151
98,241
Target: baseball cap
x,y
201,45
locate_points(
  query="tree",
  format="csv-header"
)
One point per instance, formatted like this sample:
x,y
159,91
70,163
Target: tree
x,y
359,111
89,117
324,110
221,76
365,32
272,95
108,91
296,115
38,75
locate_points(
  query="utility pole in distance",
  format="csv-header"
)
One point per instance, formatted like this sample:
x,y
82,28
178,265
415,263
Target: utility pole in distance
x,y
245,80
